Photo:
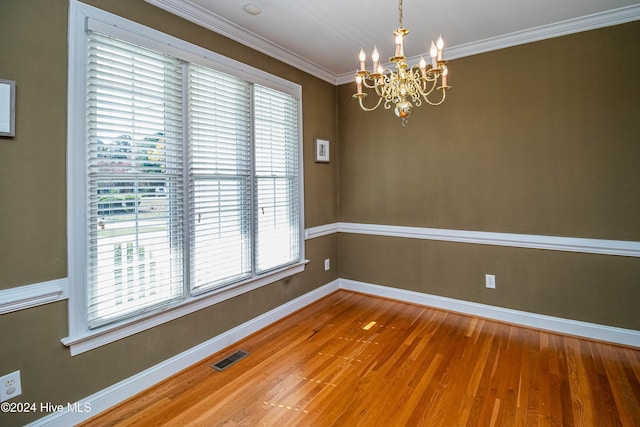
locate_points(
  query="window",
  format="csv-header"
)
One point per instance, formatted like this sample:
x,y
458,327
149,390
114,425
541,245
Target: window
x,y
135,181
189,172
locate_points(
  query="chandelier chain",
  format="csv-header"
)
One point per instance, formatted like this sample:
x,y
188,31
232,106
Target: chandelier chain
x,y
400,13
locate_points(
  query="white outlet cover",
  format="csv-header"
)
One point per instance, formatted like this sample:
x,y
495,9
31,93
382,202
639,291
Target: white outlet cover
x,y
327,264
490,281
10,386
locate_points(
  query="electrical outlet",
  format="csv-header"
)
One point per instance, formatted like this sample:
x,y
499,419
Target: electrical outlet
x,y
490,281
327,264
10,386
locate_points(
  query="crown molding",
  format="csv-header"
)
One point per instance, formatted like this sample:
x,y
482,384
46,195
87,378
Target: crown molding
x,y
198,15
562,28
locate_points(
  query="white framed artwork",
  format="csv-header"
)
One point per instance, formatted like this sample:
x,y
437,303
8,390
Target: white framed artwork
x,y
7,108
322,151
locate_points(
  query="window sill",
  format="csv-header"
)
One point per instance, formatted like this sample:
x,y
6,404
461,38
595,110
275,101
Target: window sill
x,y
93,339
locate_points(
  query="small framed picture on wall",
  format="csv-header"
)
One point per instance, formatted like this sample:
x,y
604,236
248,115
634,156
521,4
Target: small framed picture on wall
x,y
7,108
322,151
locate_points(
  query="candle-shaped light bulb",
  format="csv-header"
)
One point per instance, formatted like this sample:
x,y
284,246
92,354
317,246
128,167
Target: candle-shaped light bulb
x,y
440,45
380,70
375,56
434,54
423,67
359,83
362,58
399,49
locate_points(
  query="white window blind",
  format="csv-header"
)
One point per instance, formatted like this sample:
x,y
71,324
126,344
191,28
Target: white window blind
x,y
192,181
219,178
276,170
134,180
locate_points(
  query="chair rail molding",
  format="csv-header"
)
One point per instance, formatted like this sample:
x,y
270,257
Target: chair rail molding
x,y
28,296
321,230
532,241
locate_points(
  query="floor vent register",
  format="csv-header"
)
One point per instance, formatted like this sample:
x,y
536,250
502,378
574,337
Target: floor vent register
x,y
230,360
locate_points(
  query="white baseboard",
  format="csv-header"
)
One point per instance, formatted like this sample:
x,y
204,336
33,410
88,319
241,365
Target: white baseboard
x,y
125,389
594,331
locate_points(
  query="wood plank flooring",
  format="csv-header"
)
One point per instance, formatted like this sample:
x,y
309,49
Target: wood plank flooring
x,y
357,360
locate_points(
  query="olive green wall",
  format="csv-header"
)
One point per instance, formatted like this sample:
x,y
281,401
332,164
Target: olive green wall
x,y
32,173
541,139
33,248
586,287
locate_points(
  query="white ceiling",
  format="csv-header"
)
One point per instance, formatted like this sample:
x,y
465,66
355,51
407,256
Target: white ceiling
x,y
323,37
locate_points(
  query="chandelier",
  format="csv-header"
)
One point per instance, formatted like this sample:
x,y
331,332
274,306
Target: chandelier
x,y
404,85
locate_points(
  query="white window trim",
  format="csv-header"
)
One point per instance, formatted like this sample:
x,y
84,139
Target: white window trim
x,y
81,17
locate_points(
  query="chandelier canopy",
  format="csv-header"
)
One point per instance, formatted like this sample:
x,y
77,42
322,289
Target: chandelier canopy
x,y
405,86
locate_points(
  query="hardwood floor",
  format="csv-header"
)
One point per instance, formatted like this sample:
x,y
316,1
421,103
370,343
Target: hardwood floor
x,y
357,360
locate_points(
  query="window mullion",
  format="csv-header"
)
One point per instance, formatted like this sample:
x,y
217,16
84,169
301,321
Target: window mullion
x,y
187,204
253,183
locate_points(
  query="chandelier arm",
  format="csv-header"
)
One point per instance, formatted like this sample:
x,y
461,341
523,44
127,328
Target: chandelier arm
x,y
421,84
444,95
368,109
366,83
423,90
380,87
